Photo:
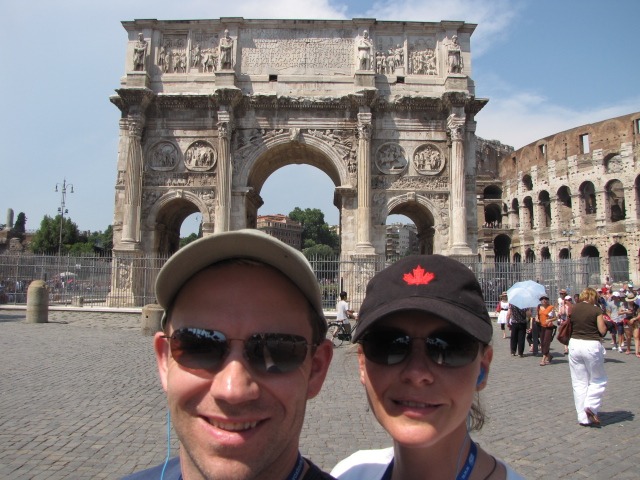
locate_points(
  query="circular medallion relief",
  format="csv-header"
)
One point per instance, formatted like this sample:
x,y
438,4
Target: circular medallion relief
x,y
200,156
428,160
390,158
163,156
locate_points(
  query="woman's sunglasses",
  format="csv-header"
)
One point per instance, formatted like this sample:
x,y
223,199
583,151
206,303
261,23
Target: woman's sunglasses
x,y
391,346
202,349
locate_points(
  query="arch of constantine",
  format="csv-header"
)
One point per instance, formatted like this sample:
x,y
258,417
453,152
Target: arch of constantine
x,y
211,108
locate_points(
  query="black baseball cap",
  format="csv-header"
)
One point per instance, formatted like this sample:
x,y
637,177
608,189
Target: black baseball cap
x,y
433,284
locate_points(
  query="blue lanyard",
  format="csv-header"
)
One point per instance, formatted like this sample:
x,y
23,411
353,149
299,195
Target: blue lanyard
x,y
296,473
464,474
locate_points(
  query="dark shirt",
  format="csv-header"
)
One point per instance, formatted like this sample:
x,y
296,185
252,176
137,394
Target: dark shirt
x,y
584,321
173,472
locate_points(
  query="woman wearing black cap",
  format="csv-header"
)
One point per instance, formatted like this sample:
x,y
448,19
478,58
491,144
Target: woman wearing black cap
x,y
424,353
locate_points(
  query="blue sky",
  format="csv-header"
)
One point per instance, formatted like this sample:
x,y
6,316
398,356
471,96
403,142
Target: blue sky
x,y
545,65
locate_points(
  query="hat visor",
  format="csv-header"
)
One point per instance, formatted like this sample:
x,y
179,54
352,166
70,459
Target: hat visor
x,y
472,323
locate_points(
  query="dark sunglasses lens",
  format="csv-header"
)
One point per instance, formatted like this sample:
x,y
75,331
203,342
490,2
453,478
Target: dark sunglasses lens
x,y
198,348
276,352
386,347
452,349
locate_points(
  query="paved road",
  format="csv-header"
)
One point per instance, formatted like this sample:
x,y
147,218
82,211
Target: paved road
x,y
79,399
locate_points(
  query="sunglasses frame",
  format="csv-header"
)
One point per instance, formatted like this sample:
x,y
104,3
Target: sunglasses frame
x,y
435,338
252,346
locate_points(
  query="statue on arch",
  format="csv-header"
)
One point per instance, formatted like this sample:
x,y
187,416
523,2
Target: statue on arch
x,y
455,56
139,53
365,48
226,52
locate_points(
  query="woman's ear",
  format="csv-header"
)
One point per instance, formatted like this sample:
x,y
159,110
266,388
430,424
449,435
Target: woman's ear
x,y
485,364
361,360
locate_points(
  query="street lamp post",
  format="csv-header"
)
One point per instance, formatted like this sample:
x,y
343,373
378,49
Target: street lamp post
x,y
62,210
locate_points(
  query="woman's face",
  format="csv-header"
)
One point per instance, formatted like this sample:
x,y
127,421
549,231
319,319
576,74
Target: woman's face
x,y
418,401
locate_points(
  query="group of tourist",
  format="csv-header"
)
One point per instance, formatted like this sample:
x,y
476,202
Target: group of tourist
x,y
244,347
592,314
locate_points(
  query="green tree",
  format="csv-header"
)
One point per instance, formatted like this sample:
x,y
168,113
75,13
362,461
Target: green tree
x,y
47,237
187,240
315,231
21,223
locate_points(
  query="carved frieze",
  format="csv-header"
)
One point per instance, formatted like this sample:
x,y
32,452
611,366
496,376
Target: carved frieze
x,y
200,156
428,160
410,182
423,56
204,51
163,156
389,54
294,51
173,179
172,55
391,158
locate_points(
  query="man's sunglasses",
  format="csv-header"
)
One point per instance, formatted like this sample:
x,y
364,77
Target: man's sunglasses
x,y
391,346
201,349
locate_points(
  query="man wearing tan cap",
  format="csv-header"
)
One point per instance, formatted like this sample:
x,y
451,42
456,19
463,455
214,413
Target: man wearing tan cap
x,y
243,349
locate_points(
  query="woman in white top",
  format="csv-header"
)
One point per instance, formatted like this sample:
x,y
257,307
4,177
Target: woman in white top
x,y
424,353
503,310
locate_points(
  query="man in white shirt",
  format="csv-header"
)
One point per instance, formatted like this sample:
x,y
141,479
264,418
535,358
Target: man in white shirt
x,y
343,312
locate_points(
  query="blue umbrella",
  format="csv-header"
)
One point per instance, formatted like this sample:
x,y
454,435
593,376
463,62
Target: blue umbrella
x,y
526,294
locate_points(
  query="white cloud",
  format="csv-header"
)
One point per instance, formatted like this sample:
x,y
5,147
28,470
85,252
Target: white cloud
x,y
521,118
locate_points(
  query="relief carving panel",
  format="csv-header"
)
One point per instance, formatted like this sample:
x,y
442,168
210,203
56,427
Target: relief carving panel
x,y
163,156
294,51
423,56
200,156
428,160
391,158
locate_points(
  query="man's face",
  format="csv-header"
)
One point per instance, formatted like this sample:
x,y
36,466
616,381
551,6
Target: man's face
x,y
234,422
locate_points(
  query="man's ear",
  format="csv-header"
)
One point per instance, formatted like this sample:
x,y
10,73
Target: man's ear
x,y
161,348
319,367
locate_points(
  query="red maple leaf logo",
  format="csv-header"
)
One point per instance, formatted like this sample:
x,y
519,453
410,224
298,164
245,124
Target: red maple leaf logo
x,y
418,277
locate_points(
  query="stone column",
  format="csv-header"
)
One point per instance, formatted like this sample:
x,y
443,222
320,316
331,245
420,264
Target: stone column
x,y
132,179
224,174
459,246
363,244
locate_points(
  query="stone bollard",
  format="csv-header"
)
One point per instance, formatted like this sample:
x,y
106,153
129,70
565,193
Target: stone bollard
x,y
151,319
38,302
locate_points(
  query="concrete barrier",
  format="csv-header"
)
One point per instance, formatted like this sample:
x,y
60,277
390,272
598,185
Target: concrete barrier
x,y
151,319
38,302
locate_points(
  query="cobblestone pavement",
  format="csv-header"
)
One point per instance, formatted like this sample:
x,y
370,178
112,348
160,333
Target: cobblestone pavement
x,y
80,399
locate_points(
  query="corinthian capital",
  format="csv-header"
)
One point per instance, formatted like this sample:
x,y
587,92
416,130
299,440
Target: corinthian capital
x,y
455,124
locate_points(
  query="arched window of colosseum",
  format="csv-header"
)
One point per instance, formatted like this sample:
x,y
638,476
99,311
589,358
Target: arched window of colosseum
x,y
527,182
564,254
564,206
517,258
492,192
545,209
515,211
501,246
615,200
492,216
618,263
588,198
545,254
528,205
529,256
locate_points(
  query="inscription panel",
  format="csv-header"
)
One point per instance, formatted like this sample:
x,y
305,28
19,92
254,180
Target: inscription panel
x,y
272,51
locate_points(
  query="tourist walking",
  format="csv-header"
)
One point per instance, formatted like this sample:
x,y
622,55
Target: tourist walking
x,y
546,316
517,318
503,309
586,358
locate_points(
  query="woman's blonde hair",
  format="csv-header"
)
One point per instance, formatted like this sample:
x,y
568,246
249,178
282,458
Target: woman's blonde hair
x,y
589,295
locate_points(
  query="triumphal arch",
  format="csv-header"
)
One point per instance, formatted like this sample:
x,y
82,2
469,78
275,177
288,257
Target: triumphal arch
x,y
211,108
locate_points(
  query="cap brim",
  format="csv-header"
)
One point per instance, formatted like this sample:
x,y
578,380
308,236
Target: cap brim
x,y
465,320
247,244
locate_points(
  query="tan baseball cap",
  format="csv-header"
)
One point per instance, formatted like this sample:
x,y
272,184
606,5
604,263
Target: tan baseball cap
x,y
249,244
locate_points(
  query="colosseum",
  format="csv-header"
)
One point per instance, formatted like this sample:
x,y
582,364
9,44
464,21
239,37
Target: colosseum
x,y
571,195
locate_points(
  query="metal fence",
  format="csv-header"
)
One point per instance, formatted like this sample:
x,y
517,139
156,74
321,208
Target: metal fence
x,y
120,282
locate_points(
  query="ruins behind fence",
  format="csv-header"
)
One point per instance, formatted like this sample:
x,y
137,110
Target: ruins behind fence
x,y
128,282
